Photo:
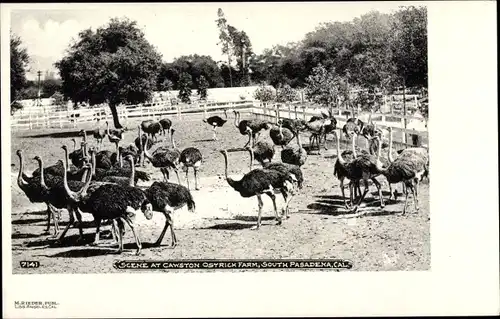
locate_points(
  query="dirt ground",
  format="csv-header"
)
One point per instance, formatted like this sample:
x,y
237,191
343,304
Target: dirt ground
x,y
380,239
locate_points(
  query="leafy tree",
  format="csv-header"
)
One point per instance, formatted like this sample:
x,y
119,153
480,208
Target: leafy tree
x,y
224,40
242,50
264,93
58,98
324,87
287,94
195,65
114,64
202,87
184,85
19,60
409,46
165,85
50,86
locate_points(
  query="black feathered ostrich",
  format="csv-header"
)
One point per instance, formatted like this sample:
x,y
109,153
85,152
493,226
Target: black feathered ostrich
x,y
283,168
294,155
216,121
166,125
167,198
191,157
53,192
113,202
255,125
142,142
258,182
280,135
360,168
114,136
33,190
151,128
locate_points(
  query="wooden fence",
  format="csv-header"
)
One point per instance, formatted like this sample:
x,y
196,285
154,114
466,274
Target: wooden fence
x,y
53,118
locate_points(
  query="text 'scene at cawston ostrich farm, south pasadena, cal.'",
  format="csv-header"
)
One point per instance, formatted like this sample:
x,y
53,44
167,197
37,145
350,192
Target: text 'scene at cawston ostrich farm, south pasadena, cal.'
x,y
223,145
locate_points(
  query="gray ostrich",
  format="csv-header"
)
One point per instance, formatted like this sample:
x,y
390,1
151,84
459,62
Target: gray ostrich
x,y
165,159
280,135
294,155
167,198
216,121
262,150
99,134
258,182
191,157
408,170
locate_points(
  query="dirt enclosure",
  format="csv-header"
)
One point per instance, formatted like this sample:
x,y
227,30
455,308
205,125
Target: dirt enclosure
x,y
320,227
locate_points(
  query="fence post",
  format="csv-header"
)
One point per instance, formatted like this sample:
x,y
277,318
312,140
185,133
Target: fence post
x,y
60,119
304,112
403,137
289,111
205,110
178,111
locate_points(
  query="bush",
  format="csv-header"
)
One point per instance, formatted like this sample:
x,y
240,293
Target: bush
x,y
264,94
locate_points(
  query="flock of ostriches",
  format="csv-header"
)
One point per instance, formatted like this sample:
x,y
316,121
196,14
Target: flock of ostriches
x,y
104,183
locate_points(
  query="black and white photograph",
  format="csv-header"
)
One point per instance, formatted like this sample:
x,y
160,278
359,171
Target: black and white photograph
x,y
215,138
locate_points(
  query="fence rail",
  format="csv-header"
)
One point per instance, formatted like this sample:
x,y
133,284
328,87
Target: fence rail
x,y
80,117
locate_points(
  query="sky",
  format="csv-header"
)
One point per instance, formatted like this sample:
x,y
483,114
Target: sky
x,y
177,29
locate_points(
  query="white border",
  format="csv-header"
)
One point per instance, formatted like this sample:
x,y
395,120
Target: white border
x,y
464,279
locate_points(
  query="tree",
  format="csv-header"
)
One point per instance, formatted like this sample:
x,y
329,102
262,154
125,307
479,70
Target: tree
x,y
50,86
202,87
286,94
114,64
224,40
264,93
58,99
185,83
165,85
242,50
19,60
409,46
324,87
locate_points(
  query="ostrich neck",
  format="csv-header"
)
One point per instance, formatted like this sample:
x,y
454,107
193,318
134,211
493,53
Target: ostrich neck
x,y
298,140
107,128
354,148
132,174
20,181
83,192
235,119
42,174
378,164
92,162
66,158
251,158
391,159
173,140
74,144
69,192
339,155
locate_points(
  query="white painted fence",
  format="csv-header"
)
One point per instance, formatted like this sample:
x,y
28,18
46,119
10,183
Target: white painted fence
x,y
52,118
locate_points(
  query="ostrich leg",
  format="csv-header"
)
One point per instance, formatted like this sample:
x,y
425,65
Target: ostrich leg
x,y
365,181
168,222
273,198
379,188
177,174
135,232
118,229
261,204
196,179
187,177
96,238
343,193
215,133
415,194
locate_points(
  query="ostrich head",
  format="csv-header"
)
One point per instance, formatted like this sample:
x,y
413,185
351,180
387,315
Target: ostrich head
x,y
147,209
19,153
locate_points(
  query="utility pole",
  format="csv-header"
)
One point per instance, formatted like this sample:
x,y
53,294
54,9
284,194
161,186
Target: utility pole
x,y
38,100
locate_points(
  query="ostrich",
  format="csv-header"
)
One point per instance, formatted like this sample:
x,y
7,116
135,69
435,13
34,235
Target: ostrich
x,y
77,156
359,168
216,121
74,173
32,188
258,182
166,125
165,159
191,157
296,156
99,134
122,180
416,154
255,125
167,198
317,129
151,128
117,203
294,125
262,150
403,169
141,142
99,174
279,135
114,136
172,148
283,168
53,194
